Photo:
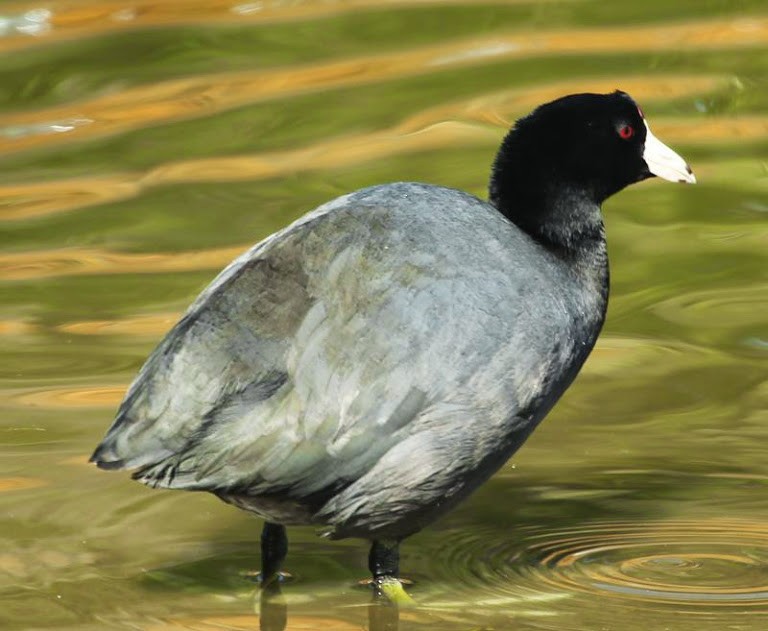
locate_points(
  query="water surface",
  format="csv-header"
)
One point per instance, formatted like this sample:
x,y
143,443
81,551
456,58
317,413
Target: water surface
x,y
143,145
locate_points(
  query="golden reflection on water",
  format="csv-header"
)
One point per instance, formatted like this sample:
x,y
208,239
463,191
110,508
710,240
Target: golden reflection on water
x,y
330,154
617,541
20,484
426,130
23,201
679,560
708,566
249,623
614,353
500,108
204,95
153,325
66,398
81,18
94,261
16,328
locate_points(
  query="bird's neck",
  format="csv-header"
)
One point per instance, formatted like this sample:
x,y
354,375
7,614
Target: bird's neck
x,y
541,197
564,220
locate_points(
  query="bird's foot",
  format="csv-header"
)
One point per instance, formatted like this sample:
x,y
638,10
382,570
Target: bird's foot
x,y
369,582
391,588
276,577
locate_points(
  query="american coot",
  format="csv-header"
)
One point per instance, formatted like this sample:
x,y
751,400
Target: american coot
x,y
369,366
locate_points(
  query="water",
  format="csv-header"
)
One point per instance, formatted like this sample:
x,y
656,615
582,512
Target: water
x,y
144,145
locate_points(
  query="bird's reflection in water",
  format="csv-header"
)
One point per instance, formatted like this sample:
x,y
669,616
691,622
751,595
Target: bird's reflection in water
x,y
273,609
382,615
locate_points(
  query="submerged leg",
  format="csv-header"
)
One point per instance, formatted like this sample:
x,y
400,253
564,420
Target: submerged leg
x,y
383,562
383,615
273,610
274,547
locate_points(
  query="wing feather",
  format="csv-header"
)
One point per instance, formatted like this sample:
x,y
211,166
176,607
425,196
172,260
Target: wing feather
x,y
295,371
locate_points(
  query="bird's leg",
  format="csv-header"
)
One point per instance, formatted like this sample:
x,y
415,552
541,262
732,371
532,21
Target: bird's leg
x,y
384,559
383,562
274,547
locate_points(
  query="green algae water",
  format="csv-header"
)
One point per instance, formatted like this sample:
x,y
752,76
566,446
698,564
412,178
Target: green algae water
x,y
143,145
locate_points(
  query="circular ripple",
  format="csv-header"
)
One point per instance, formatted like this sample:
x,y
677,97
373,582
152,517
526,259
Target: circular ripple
x,y
693,565
678,562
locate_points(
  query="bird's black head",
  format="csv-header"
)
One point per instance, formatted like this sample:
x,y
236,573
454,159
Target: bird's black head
x,y
558,164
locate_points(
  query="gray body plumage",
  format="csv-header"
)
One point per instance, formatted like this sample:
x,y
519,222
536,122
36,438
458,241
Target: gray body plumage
x,y
365,368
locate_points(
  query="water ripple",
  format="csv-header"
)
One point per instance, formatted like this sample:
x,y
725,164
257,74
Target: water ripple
x,y
65,398
96,261
710,564
249,623
202,95
150,325
726,307
430,129
41,362
690,564
93,261
89,18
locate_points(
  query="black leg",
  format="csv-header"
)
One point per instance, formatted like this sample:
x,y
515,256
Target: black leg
x,y
384,559
274,547
383,562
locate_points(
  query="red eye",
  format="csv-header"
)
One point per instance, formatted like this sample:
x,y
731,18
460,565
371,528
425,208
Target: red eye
x,y
626,132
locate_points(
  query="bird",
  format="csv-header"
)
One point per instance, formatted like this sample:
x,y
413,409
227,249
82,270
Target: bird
x,y
366,368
